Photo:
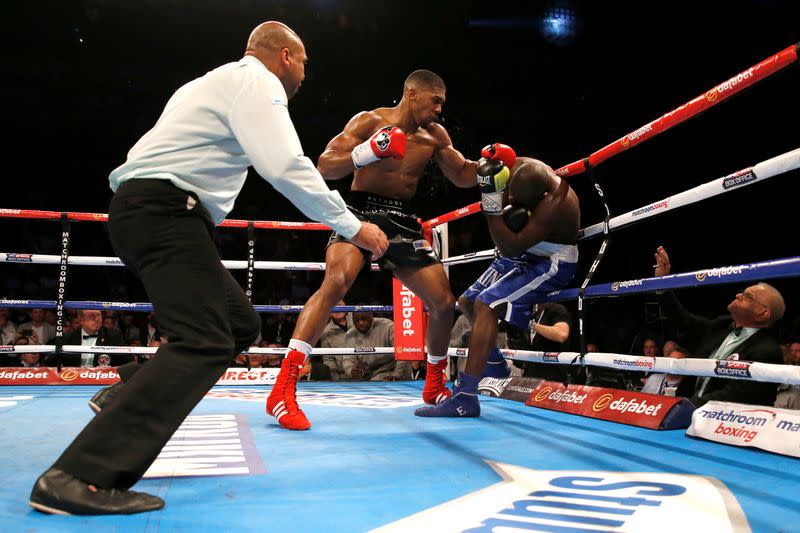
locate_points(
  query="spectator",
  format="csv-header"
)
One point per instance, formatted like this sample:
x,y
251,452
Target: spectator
x,y
12,359
787,358
591,347
271,360
794,353
22,340
257,360
316,369
459,336
109,322
128,328
50,317
70,325
91,333
43,332
334,336
549,331
668,347
74,323
8,331
371,332
151,332
418,370
665,383
279,326
742,334
30,360
650,348
24,359
789,395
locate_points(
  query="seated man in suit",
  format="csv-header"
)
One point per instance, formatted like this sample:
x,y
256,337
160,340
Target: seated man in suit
x,y
743,334
789,395
91,333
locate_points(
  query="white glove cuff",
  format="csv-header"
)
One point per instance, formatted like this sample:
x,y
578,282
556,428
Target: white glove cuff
x,y
492,203
362,155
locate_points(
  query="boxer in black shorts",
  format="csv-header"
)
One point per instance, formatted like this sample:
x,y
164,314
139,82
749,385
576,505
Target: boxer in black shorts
x,y
387,149
407,246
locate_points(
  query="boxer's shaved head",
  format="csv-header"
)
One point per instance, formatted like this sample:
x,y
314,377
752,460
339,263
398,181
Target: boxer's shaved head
x,y
423,80
529,183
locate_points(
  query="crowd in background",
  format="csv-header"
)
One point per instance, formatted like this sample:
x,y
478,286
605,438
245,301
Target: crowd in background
x,y
632,325
551,330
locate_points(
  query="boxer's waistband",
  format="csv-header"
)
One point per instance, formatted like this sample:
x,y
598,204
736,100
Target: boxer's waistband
x,y
559,252
365,201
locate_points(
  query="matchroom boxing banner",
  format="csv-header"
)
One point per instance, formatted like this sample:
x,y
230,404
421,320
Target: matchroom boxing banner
x,y
409,324
626,407
769,428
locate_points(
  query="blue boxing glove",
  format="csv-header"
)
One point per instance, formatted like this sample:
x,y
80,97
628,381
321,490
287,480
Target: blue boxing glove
x,y
493,178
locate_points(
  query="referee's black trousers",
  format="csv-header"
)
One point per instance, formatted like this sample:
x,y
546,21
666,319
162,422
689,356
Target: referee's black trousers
x,y
164,236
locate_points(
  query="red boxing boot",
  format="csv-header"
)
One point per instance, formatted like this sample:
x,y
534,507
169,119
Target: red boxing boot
x,y
281,402
435,390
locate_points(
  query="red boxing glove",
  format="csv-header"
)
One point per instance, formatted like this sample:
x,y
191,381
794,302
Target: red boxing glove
x,y
389,141
503,152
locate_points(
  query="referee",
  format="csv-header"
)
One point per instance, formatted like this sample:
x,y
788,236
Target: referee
x,y
179,180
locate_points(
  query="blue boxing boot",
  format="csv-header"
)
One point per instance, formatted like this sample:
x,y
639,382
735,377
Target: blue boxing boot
x,y
496,366
462,404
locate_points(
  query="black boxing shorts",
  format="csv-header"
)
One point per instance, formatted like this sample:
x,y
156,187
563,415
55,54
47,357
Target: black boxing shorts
x,y
407,247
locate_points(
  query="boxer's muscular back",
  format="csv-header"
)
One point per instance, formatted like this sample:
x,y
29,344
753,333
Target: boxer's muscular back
x,y
565,213
559,210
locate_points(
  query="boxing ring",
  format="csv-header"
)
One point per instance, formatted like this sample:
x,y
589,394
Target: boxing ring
x,y
369,464
361,468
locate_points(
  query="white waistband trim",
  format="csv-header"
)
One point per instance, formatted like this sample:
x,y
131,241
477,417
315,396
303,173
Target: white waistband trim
x,y
559,252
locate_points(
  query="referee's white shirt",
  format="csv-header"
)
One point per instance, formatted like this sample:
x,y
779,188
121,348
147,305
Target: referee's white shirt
x,y
216,126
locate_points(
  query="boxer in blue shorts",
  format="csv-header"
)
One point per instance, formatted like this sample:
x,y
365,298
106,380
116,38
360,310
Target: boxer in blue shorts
x,y
533,217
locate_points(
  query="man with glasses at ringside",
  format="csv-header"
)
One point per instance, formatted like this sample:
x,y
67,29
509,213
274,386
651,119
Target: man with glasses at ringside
x,y
744,334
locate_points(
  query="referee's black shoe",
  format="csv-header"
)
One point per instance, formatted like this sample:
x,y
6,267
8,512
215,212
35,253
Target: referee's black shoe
x,y
57,492
105,396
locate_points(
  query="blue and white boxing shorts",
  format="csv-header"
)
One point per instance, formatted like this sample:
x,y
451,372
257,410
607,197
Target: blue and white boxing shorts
x,y
521,281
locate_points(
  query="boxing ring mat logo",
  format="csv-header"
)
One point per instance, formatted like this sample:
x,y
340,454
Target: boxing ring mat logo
x,y
209,445
531,500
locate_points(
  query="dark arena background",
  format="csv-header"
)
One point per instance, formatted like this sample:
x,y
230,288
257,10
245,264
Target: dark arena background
x,y
83,80
556,80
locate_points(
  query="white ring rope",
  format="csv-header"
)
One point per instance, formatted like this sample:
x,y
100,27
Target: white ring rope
x,y
773,373
760,172
77,348
788,374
